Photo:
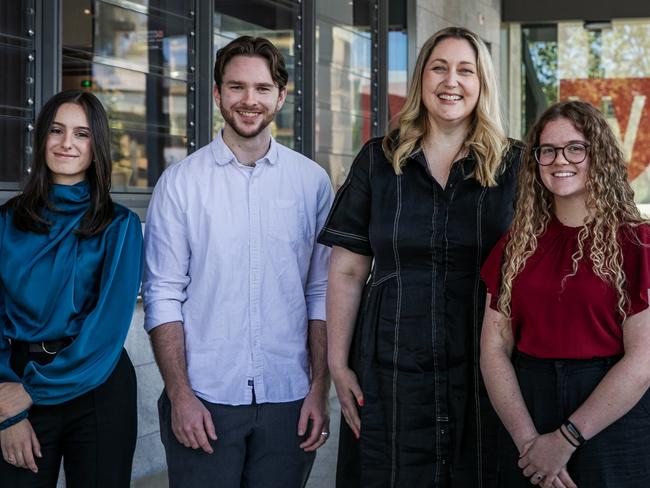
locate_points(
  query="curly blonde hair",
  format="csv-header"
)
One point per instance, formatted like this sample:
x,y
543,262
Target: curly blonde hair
x,y
486,140
610,201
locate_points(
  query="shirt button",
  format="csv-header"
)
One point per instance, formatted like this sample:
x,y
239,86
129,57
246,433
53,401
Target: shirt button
x,y
443,431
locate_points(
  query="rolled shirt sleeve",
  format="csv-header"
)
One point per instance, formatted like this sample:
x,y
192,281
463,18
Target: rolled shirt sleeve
x,y
167,256
316,285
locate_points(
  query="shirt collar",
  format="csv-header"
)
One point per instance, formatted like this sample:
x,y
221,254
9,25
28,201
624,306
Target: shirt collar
x,y
223,155
466,164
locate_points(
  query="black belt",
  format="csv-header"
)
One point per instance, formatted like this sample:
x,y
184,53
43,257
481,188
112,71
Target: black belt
x,y
43,347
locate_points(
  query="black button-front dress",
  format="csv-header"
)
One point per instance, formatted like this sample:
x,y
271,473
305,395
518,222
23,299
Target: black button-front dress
x,y
427,420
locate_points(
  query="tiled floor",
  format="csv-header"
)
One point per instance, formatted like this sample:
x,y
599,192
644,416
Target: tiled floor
x,y
323,473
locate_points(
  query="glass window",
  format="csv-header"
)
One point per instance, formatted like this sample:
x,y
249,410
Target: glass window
x,y
397,57
343,81
136,59
259,18
178,7
17,92
605,64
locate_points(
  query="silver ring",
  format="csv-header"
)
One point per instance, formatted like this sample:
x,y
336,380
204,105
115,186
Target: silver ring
x,y
325,434
11,460
539,476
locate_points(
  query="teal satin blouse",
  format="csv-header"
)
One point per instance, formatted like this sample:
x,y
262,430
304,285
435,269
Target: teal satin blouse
x,y
58,285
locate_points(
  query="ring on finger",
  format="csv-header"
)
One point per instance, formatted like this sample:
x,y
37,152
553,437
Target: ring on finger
x,y
325,435
11,460
538,476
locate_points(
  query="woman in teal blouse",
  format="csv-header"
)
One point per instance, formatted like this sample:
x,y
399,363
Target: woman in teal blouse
x,y
70,270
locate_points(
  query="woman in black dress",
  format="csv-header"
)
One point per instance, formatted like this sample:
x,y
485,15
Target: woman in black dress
x,y
426,203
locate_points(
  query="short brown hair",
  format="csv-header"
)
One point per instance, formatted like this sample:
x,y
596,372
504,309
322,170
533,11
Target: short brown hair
x,y
252,46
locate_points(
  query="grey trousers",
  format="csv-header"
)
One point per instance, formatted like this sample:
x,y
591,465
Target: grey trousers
x,y
257,447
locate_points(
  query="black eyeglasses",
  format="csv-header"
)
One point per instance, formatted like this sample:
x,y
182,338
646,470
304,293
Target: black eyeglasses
x,y
574,152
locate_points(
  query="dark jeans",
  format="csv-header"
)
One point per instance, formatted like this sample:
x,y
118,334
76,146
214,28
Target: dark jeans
x,y
95,434
618,457
257,447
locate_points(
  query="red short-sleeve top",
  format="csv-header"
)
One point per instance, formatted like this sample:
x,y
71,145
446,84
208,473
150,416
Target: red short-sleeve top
x,y
577,320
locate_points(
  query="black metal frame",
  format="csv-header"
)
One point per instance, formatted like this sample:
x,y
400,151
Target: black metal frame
x,y
379,90
46,58
411,20
204,57
305,82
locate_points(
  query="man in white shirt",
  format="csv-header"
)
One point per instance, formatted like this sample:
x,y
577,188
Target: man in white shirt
x,y
234,292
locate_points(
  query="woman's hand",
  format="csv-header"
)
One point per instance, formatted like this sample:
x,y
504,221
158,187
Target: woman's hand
x,y
544,458
20,445
350,395
14,400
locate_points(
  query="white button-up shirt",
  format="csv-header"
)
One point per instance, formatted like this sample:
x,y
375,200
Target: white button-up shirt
x,y
232,254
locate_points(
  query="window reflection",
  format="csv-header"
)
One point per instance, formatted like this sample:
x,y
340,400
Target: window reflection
x,y
179,7
17,90
608,67
260,19
343,64
136,61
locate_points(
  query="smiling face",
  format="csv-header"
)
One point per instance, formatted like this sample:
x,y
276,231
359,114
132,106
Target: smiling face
x,y
248,98
68,149
450,82
565,180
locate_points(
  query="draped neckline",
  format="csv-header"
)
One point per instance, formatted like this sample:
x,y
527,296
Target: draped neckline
x,y
70,199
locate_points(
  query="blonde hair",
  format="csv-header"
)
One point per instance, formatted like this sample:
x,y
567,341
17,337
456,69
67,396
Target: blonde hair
x,y
610,200
486,139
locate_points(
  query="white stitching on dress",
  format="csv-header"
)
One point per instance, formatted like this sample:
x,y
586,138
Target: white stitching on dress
x,y
476,337
396,342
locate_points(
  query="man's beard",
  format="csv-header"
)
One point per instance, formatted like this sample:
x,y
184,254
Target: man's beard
x,y
229,117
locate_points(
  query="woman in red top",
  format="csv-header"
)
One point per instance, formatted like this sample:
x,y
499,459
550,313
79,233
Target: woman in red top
x,y
565,346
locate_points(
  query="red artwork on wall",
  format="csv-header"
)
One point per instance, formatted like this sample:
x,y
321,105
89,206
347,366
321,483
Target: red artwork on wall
x,y
626,104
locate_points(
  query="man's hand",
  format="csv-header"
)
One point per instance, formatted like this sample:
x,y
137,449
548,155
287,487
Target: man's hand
x,y
315,408
20,445
192,423
14,399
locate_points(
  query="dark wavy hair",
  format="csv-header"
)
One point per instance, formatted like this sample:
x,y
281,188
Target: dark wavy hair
x,y
29,205
252,46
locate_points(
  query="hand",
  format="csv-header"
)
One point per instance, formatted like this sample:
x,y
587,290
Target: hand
x,y
350,395
547,455
20,445
315,408
14,400
192,423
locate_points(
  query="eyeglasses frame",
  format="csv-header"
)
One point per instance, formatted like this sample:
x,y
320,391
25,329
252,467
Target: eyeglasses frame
x,y
557,148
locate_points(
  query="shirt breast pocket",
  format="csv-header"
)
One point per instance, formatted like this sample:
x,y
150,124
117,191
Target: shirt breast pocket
x,y
286,220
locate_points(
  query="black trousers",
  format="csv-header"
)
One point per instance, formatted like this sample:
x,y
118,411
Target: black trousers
x,y
617,457
257,447
94,433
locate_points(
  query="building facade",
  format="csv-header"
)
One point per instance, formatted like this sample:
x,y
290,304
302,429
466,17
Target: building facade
x,y
151,62
596,51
